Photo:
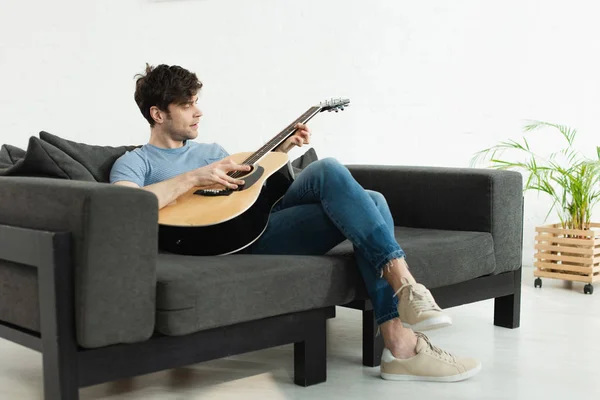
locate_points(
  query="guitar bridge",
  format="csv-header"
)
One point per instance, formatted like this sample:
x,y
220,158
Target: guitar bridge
x,y
213,192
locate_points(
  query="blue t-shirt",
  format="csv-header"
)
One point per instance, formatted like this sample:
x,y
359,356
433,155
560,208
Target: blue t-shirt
x,y
149,164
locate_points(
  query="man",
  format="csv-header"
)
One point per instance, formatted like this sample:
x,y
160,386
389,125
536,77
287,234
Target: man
x,y
323,206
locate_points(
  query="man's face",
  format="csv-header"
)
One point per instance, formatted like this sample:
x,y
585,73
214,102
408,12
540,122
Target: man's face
x,y
182,121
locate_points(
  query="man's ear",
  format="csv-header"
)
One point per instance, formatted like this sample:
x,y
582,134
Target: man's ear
x,y
157,115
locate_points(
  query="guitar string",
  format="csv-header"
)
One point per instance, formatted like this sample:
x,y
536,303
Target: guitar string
x,y
271,143
281,136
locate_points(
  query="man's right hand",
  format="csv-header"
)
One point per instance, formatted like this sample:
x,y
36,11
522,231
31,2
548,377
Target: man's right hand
x,y
216,174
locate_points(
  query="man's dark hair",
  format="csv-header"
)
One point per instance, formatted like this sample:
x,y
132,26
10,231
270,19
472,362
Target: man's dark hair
x,y
164,85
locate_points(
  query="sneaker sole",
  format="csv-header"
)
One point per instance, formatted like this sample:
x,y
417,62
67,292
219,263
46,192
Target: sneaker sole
x,y
452,378
429,324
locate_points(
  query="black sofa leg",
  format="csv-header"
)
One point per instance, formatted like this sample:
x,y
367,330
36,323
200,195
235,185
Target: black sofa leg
x,y
507,309
58,380
57,320
372,344
310,356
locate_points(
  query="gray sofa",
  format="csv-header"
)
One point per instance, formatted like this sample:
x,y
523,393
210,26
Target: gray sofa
x,y
82,279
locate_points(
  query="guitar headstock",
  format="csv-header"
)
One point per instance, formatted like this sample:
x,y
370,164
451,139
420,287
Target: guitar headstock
x,y
334,105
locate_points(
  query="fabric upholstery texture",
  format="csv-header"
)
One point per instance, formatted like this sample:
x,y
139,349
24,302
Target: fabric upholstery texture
x,y
19,301
45,160
114,232
304,160
9,155
459,199
97,160
54,157
196,293
440,258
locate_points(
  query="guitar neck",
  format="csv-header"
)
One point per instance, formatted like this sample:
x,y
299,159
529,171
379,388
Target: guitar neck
x,y
282,136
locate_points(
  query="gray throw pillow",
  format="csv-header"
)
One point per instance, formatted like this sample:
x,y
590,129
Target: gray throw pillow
x,y
304,160
44,160
9,155
97,160
280,181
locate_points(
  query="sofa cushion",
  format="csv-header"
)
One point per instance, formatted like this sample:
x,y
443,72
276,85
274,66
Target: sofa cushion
x,y
439,257
45,160
197,293
98,160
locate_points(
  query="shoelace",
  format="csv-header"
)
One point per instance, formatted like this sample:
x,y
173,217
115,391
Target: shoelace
x,y
421,302
441,353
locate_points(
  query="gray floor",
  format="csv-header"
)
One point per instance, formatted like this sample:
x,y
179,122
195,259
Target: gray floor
x,y
555,354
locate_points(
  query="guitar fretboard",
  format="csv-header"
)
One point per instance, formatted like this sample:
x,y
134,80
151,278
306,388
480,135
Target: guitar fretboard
x,y
277,140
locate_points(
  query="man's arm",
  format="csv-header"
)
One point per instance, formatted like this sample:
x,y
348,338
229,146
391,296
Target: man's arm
x,y
166,191
213,174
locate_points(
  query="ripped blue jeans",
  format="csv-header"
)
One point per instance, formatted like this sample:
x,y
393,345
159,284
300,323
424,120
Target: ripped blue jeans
x,y
325,206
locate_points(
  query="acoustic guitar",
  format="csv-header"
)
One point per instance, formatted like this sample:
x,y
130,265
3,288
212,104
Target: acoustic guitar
x,y
218,220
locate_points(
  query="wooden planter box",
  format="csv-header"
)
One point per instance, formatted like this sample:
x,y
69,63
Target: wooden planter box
x,y
568,254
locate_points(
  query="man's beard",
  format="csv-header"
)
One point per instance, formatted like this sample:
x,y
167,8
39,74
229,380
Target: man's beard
x,y
180,136
176,134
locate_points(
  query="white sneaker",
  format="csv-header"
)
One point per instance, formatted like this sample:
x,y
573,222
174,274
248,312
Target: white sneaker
x,y
430,364
418,310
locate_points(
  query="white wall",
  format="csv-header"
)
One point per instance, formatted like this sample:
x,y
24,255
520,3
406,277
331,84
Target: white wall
x,y
430,82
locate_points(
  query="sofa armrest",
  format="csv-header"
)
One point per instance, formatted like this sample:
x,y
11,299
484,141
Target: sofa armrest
x,y
463,199
114,230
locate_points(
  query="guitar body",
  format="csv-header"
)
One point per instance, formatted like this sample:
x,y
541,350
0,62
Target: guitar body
x,y
200,224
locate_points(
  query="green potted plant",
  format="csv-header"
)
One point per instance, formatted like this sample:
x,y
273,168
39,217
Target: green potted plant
x,y
570,249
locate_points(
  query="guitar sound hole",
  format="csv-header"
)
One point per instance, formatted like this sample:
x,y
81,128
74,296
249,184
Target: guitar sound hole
x,y
245,174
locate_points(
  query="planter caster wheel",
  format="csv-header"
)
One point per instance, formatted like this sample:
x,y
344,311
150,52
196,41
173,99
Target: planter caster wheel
x,y
588,289
537,283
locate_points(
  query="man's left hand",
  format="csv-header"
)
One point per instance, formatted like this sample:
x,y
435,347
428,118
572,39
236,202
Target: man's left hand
x,y
299,138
